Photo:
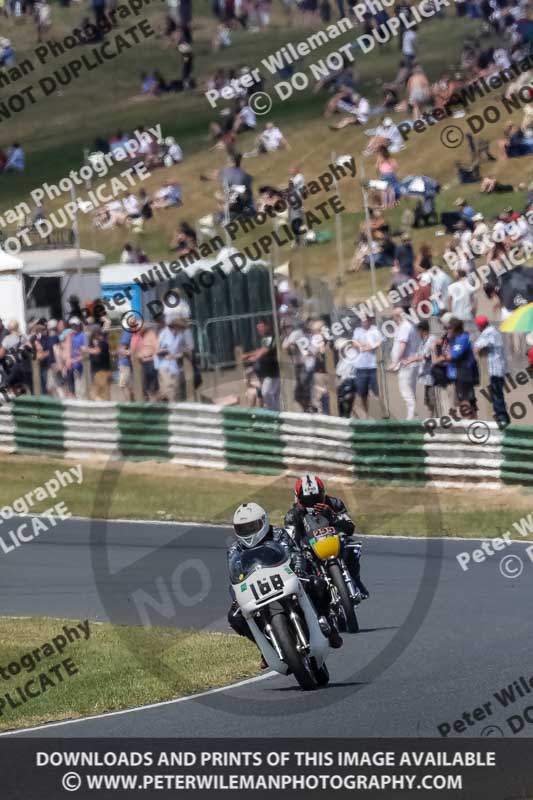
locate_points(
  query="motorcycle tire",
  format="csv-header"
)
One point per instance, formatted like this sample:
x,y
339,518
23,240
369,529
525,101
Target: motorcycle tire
x,y
322,675
301,669
335,574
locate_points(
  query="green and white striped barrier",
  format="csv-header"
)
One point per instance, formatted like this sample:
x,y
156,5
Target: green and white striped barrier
x,y
267,442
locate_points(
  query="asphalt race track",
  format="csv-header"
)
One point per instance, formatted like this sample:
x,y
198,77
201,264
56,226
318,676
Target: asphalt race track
x,y
435,641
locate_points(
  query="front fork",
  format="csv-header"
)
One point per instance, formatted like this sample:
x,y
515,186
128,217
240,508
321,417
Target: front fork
x,y
302,641
270,633
354,592
302,644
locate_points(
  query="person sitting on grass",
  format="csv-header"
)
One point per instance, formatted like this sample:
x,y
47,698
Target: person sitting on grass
x,y
515,143
386,135
148,84
173,154
222,37
270,140
169,195
184,240
351,103
245,119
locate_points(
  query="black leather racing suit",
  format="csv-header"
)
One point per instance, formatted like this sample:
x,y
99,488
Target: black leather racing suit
x,y
339,514
315,587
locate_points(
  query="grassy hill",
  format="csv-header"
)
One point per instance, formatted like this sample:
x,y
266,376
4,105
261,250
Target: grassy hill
x,y
55,130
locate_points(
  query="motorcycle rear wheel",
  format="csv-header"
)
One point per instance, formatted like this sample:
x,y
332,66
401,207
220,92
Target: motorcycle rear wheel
x,y
346,601
299,665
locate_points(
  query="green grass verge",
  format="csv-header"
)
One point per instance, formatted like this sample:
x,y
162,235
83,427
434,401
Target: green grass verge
x,y
160,491
171,664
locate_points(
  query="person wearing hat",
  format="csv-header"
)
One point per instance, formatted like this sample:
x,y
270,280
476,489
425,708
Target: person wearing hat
x,y
175,341
386,135
466,210
490,343
480,240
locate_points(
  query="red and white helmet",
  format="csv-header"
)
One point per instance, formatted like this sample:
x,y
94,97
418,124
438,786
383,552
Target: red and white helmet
x,y
309,491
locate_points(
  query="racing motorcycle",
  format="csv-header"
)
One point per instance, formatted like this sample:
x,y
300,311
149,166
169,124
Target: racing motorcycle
x,y
281,617
325,546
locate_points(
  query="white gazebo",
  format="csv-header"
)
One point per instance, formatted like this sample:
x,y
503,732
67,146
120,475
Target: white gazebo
x,y
12,304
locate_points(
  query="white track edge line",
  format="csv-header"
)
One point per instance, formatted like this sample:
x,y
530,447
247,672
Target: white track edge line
x,y
141,708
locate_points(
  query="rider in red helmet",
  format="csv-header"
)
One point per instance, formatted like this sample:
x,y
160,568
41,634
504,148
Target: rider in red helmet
x,y
310,494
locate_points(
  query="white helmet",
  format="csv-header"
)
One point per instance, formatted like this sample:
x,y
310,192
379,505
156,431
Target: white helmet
x,y
251,524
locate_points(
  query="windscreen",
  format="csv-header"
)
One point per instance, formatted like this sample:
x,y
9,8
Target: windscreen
x,y
267,554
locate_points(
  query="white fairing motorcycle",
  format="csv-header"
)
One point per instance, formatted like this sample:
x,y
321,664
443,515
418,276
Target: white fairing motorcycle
x,y
281,617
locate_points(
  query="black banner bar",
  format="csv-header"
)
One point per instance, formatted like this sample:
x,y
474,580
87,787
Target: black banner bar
x,y
46,769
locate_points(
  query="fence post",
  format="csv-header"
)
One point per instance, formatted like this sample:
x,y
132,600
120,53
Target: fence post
x,y
36,376
188,370
330,375
86,377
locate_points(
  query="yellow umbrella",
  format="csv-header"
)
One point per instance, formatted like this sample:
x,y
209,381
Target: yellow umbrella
x,y
520,321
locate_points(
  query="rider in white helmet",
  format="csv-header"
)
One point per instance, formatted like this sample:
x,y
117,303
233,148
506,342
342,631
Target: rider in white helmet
x,y
252,528
250,524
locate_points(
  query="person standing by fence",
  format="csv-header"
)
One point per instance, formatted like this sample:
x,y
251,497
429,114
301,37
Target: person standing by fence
x,y
366,339
266,366
405,345
491,342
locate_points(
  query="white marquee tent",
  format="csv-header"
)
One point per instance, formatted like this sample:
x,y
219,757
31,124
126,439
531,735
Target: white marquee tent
x,y
12,289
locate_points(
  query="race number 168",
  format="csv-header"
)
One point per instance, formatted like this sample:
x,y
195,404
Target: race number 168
x,y
266,586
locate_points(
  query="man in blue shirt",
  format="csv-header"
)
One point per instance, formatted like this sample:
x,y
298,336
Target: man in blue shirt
x,y
124,366
79,340
491,342
466,211
462,369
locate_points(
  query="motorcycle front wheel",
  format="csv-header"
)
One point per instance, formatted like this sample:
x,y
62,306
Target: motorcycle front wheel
x,y
337,579
299,665
321,675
